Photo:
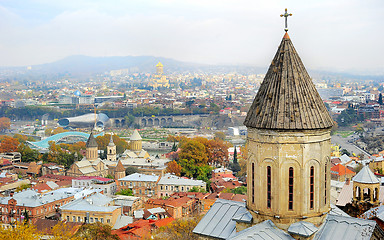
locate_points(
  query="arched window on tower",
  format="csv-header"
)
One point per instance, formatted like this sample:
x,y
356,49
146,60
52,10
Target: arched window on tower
x,y
253,182
325,186
311,187
269,187
290,197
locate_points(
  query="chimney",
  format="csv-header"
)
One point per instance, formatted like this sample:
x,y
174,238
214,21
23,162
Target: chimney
x,y
347,181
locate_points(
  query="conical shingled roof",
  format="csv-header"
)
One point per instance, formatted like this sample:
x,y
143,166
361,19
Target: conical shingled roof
x,y
120,167
111,143
287,98
135,136
91,142
365,176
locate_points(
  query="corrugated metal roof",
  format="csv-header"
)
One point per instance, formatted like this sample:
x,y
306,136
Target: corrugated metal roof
x,y
122,221
93,203
365,176
302,228
345,228
170,179
346,195
218,222
337,211
138,177
262,231
243,217
377,212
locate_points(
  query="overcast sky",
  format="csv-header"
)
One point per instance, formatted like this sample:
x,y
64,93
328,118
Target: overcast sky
x,y
336,35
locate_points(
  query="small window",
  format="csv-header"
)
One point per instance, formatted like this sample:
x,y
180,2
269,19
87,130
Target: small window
x,y
78,219
311,187
96,219
74,219
290,189
91,220
269,187
67,218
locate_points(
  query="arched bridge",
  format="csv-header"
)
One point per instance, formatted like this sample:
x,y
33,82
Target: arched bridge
x,y
44,144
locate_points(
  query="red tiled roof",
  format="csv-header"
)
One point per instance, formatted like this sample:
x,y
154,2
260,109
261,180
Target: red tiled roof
x,y
163,222
340,170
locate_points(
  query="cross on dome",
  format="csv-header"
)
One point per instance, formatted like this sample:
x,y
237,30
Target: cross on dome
x,y
286,15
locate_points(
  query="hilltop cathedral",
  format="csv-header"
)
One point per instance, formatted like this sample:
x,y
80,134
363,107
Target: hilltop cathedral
x,y
288,166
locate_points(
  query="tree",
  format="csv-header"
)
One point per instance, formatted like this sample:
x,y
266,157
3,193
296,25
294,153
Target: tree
x,y
220,135
5,123
192,156
58,130
197,189
174,147
20,232
22,187
178,229
380,99
131,170
8,144
103,141
28,154
110,176
239,190
174,167
126,192
96,231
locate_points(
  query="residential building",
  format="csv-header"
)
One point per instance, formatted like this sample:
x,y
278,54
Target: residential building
x,y
37,205
108,186
142,185
90,209
169,184
341,173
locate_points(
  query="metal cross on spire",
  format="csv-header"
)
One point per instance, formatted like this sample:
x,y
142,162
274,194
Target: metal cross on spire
x,y
286,15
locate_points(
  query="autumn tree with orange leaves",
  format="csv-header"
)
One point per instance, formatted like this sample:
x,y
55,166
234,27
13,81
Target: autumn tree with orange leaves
x,y
8,144
174,167
5,123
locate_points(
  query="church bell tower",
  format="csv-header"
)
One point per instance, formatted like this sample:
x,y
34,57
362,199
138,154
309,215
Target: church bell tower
x,y
289,145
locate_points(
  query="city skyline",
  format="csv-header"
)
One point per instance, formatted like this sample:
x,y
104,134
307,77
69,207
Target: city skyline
x,y
335,36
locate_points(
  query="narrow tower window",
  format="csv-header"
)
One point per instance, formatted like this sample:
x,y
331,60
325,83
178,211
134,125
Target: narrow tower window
x,y
311,187
269,187
290,197
253,183
325,180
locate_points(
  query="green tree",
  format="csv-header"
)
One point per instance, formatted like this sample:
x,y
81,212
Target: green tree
x,y
126,192
239,190
380,99
197,189
28,154
131,170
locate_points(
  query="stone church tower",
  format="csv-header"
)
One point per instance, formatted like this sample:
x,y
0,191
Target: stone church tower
x,y
111,150
289,145
91,153
135,141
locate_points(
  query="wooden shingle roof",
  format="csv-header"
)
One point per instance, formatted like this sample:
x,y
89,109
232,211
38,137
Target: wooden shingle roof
x,y
91,142
287,98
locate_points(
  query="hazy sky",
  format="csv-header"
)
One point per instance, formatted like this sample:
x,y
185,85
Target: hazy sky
x,y
338,35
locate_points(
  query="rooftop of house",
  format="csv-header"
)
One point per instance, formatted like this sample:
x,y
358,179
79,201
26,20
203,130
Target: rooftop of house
x,y
138,177
170,179
31,198
93,203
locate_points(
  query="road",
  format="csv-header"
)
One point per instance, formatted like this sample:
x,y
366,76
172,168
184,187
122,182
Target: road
x,y
343,142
